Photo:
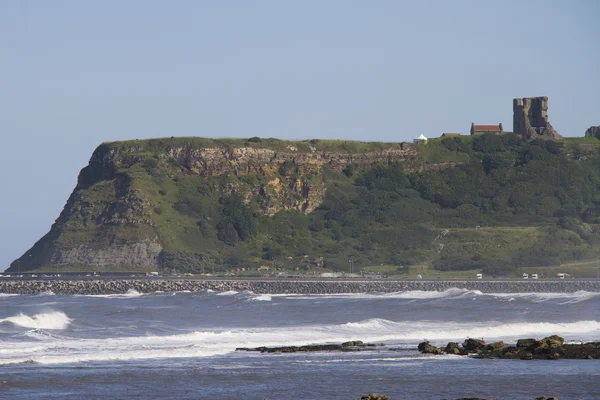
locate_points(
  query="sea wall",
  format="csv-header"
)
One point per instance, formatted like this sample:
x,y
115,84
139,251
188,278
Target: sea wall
x,y
289,286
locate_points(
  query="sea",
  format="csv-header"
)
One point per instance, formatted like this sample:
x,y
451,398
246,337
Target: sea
x,y
183,345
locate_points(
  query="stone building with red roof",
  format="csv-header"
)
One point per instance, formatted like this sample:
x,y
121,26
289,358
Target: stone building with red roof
x,y
482,129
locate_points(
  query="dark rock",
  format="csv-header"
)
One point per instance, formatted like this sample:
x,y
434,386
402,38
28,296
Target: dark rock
x,y
549,348
428,348
309,348
525,343
453,348
373,396
474,398
494,346
473,345
526,356
554,341
353,343
509,352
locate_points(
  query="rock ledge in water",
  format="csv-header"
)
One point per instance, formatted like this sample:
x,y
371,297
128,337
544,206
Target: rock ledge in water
x,y
355,345
549,348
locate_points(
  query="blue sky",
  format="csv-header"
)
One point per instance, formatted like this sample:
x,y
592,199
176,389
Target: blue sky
x,y
74,74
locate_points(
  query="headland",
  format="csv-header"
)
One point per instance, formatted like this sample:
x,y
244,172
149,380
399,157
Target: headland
x,y
493,201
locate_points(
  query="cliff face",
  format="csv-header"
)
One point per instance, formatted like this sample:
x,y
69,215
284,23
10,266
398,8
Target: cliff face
x,y
194,204
134,199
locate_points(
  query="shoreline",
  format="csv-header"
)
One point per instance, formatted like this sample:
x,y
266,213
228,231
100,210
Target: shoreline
x,y
286,286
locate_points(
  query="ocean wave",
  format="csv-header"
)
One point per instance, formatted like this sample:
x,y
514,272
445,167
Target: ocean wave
x,y
410,295
227,293
131,293
13,349
453,293
562,298
456,330
395,360
206,343
260,297
50,320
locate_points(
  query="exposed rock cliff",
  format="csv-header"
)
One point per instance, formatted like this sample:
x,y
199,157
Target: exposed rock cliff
x,y
120,215
198,205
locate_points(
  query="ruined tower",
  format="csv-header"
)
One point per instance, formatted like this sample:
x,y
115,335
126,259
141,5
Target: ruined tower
x,y
530,118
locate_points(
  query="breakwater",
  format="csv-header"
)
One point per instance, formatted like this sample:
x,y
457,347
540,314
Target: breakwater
x,y
292,286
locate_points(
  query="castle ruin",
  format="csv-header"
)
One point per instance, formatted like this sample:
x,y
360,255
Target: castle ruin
x,y
530,118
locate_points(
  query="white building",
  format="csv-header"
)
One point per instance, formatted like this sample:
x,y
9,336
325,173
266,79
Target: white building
x,y
420,139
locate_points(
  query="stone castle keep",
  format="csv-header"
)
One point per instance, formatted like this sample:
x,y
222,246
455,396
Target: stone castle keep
x,y
530,118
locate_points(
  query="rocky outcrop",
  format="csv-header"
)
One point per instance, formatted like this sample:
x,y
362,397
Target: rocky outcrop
x,y
549,348
473,345
373,396
296,176
134,256
354,345
110,221
530,118
428,348
218,160
593,131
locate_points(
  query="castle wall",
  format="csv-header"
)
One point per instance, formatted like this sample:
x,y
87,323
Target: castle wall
x,y
530,118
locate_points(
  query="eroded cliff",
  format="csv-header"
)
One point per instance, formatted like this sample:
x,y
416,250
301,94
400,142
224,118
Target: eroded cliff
x,y
488,202
138,198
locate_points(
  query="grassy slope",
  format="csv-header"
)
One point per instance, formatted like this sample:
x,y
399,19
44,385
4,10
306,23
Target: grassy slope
x,y
153,146
191,233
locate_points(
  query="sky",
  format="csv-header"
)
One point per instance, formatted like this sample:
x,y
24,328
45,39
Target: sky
x,y
74,74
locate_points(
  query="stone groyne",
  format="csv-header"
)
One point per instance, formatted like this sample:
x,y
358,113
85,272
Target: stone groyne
x,y
274,286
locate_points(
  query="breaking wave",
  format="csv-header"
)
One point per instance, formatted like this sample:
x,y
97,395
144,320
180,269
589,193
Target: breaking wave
x,y
455,293
51,320
214,342
562,298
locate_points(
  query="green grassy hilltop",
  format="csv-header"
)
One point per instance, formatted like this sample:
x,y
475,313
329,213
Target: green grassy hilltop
x,y
452,206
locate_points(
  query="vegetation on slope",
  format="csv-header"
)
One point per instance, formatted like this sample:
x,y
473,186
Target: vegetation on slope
x,y
513,203
499,204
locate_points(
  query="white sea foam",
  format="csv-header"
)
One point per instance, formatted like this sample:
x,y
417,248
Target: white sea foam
x,y
50,320
261,297
411,295
14,349
454,293
131,293
227,293
213,342
561,298
8,295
